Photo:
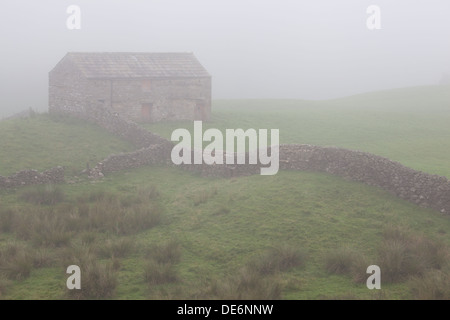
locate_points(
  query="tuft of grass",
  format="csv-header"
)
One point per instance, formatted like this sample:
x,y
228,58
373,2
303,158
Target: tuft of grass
x,y
150,193
43,195
340,261
222,211
434,285
156,273
97,281
88,237
129,200
111,216
279,259
403,255
5,284
139,218
204,196
246,285
96,196
49,229
161,260
77,255
53,238
6,220
166,253
257,279
43,257
17,266
117,248
43,227
200,198
17,261
359,269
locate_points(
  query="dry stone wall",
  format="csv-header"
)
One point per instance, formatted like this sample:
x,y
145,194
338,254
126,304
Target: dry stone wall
x,y
31,177
426,190
423,189
152,155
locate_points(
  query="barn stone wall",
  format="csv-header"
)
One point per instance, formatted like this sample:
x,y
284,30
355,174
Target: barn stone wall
x,y
164,99
67,89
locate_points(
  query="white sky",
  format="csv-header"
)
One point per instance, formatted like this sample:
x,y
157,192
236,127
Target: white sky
x,y
253,48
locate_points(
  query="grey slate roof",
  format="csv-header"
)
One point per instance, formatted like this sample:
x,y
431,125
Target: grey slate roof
x,y
137,64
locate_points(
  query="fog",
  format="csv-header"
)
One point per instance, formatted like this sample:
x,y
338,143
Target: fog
x,y
253,48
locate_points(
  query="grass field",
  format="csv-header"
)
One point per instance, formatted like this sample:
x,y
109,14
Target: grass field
x,y
43,142
406,125
163,233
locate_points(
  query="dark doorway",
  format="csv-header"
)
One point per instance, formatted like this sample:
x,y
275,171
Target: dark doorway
x,y
200,112
146,111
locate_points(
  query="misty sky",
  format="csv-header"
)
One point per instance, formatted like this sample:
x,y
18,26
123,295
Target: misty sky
x,y
317,49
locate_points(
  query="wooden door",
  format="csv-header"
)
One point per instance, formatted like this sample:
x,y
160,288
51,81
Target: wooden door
x,y
146,111
200,113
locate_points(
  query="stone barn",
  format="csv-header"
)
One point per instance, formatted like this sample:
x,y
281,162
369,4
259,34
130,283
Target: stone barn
x,y
143,87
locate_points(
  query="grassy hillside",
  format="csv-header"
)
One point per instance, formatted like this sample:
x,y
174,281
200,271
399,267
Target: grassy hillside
x,y
219,227
43,142
163,233
406,125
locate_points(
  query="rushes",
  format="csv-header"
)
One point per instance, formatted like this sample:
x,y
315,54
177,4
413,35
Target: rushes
x,y
56,226
340,261
160,265
402,256
16,261
259,278
43,195
94,233
279,259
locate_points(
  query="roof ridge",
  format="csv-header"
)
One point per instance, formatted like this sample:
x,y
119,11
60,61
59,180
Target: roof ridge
x,y
128,52
138,64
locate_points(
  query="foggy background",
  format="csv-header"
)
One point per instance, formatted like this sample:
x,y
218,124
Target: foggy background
x,y
252,48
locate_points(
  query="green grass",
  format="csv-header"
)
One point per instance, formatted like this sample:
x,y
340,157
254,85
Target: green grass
x,y
44,142
406,125
213,236
307,211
